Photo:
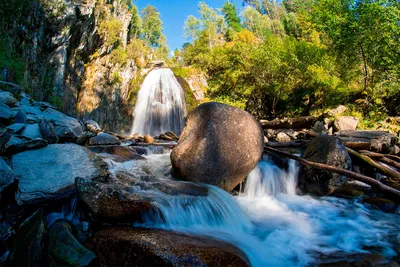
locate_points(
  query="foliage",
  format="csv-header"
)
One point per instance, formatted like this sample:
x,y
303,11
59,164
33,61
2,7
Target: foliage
x,y
119,56
152,26
109,30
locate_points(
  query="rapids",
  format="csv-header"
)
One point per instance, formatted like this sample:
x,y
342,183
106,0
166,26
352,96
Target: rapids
x,y
267,220
160,105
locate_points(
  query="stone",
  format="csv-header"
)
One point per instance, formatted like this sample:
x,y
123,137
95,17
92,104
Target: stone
x,y
328,150
283,137
7,177
345,123
68,129
32,131
84,139
119,153
16,127
20,117
124,246
104,139
7,99
219,145
18,144
337,111
29,242
5,113
92,126
31,110
48,132
64,249
49,173
148,139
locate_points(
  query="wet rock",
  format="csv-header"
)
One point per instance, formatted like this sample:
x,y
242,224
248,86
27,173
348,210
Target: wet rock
x,y
109,203
84,139
150,247
104,139
48,132
120,153
329,150
64,249
20,117
92,126
345,123
385,205
16,127
68,129
5,113
49,173
219,145
32,131
169,136
29,242
148,139
283,137
337,111
18,144
6,175
7,99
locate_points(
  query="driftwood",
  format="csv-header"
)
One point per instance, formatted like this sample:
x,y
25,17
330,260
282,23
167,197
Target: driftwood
x,y
380,141
292,144
371,162
289,123
378,155
358,145
381,158
356,176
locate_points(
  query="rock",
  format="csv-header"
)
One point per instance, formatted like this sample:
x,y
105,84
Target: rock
x,y
92,126
68,129
265,139
16,127
283,137
20,117
220,145
124,246
120,153
26,100
84,139
320,128
5,113
32,110
7,99
32,131
345,123
148,139
64,249
110,203
18,144
29,242
6,175
337,111
104,139
49,173
329,150
43,105
5,136
48,132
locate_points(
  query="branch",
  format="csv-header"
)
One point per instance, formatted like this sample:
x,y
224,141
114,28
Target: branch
x,y
356,176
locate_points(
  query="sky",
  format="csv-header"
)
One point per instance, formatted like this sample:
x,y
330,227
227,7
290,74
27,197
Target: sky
x,y
174,13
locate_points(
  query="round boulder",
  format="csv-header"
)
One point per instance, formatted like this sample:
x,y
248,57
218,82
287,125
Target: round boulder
x,y
219,145
328,150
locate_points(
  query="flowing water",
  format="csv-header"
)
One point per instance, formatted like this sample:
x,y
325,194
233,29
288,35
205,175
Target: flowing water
x,y
268,221
160,106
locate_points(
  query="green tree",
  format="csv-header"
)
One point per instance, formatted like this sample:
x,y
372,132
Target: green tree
x,y
152,26
136,25
231,16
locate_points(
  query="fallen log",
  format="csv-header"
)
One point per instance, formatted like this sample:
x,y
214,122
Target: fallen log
x,y
374,154
371,162
292,144
381,158
356,176
380,141
289,123
358,145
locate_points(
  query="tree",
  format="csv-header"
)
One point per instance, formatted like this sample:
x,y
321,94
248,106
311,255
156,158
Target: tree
x,y
192,28
231,16
136,24
152,26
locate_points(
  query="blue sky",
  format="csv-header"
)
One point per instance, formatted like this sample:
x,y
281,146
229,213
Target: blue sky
x,y
174,14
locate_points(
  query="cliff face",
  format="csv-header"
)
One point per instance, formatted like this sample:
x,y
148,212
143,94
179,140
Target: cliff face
x,y
71,64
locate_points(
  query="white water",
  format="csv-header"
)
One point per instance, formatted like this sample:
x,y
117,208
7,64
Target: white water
x,y
160,106
270,223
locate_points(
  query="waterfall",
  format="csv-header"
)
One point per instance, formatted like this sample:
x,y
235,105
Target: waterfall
x,y
160,106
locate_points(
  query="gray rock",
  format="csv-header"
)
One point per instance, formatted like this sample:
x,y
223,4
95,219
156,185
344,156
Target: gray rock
x,y
18,144
6,175
337,111
43,105
5,112
31,110
328,150
283,137
25,101
50,172
219,145
104,139
8,99
30,118
67,128
345,123
20,117
16,127
92,126
32,131
48,132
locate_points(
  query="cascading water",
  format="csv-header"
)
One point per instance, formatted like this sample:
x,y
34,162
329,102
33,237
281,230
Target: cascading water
x,y
268,221
160,105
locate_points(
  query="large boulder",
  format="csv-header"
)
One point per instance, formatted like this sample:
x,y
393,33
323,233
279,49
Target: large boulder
x,y
68,129
123,246
18,144
92,126
5,112
32,131
104,139
50,172
8,99
345,123
327,150
219,145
